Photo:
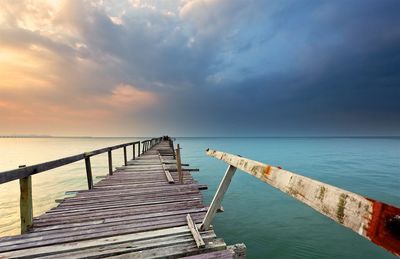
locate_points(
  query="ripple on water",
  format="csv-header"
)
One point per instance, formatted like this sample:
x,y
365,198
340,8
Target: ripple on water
x,y
271,224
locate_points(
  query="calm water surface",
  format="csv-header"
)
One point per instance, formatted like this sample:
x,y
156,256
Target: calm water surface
x,y
270,223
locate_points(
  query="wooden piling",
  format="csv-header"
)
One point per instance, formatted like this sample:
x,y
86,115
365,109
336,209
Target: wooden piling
x,y
172,147
125,157
179,164
25,203
89,172
110,165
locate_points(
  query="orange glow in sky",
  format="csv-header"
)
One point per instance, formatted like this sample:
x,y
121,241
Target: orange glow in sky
x,y
49,84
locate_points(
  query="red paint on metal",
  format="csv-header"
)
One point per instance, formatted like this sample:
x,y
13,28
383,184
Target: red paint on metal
x,y
378,230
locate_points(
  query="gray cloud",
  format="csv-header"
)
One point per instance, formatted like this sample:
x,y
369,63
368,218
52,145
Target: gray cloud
x,y
232,67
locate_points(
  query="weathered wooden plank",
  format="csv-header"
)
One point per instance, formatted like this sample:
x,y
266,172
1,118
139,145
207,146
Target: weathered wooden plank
x,y
138,188
121,219
135,237
139,192
116,195
130,211
125,157
71,211
162,245
219,195
25,204
167,247
15,174
131,200
89,172
224,254
367,217
167,174
176,251
110,163
195,232
179,164
93,231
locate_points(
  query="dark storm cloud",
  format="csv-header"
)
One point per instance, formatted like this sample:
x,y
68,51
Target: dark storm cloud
x,y
231,67
332,68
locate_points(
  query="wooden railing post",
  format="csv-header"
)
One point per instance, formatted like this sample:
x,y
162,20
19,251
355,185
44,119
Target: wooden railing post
x,y
219,195
125,157
133,152
89,172
179,164
25,203
172,147
110,165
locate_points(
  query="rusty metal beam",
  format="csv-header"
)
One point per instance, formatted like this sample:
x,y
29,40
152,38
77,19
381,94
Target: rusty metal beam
x,y
372,219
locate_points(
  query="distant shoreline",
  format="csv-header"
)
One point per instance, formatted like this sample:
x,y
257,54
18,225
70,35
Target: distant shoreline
x,y
228,137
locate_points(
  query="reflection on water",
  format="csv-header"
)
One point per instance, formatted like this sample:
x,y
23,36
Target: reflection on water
x,y
273,225
51,185
270,223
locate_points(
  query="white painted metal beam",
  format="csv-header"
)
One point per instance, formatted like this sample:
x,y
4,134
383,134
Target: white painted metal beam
x,y
372,219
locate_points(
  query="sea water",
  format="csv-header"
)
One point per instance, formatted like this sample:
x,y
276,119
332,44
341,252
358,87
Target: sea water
x,y
269,222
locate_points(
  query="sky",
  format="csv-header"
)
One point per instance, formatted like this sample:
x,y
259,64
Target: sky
x,y
200,68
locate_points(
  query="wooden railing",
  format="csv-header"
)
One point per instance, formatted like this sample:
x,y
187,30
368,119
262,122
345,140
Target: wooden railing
x,y
24,173
377,221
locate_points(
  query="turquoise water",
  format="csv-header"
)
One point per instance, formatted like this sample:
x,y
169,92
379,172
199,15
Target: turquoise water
x,y
270,223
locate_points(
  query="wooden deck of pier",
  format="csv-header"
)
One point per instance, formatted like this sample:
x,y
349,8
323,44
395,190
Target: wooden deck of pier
x,y
137,212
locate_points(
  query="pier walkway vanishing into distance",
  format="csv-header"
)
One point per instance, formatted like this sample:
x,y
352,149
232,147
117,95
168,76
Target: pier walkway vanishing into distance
x,y
148,208
151,207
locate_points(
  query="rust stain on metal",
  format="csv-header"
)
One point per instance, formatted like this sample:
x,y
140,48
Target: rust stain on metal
x,y
374,220
382,230
267,170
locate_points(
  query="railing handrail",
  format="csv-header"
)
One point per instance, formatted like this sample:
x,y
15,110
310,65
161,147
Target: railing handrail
x,y
377,221
24,174
19,173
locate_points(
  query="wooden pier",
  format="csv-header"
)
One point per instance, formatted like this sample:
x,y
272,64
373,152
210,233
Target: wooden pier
x,y
150,207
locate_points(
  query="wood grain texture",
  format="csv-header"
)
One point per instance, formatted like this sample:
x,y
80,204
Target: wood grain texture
x,y
218,197
19,173
25,204
133,212
195,232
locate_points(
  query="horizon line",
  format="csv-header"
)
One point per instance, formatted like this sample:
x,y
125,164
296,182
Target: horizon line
x,y
270,136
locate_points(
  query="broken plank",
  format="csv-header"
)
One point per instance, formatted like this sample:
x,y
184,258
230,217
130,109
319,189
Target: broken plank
x,y
195,232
